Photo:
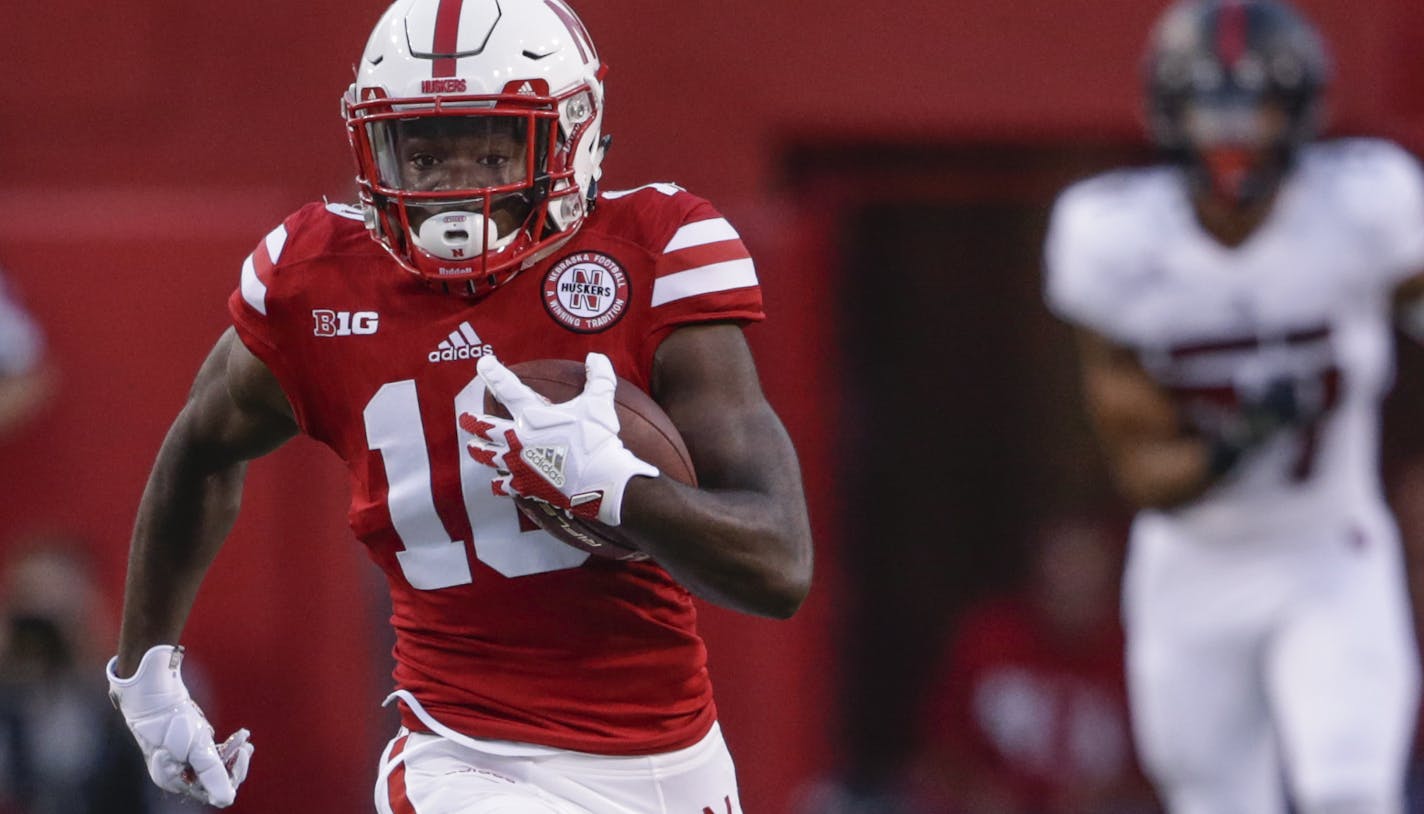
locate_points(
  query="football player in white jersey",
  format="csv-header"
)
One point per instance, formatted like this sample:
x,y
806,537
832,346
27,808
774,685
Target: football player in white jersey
x,y
1234,306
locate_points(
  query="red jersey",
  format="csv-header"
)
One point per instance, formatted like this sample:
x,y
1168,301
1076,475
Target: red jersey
x,y
502,632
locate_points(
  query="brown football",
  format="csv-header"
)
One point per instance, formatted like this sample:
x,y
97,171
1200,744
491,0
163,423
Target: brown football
x,y
645,430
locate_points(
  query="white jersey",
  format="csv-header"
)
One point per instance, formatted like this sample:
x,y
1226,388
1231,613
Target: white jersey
x,y
1307,296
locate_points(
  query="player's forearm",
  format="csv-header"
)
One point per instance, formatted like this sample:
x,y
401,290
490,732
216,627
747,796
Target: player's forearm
x,y
1163,473
21,396
188,508
748,551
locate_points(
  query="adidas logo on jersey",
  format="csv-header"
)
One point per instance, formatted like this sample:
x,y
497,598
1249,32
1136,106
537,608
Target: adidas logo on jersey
x,y
463,344
549,461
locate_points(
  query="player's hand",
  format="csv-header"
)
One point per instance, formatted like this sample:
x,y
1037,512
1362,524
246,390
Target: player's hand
x,y
1262,411
1282,403
177,741
568,455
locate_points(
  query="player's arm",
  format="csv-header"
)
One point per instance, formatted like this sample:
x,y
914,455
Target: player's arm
x,y
742,539
1154,460
22,395
235,411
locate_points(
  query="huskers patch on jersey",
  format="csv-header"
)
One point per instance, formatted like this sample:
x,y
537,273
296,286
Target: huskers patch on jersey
x,y
586,292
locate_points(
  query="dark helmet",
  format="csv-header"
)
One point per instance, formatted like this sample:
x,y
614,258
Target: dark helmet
x,y
1219,58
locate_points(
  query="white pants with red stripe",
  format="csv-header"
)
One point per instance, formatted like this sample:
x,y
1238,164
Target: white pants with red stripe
x,y
424,773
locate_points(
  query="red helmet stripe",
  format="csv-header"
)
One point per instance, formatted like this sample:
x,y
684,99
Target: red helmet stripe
x,y
576,29
447,37
1231,32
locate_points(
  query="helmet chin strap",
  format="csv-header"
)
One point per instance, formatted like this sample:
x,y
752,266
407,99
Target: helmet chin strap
x,y
461,235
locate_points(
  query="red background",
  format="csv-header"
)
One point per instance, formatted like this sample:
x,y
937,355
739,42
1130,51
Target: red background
x,y
146,146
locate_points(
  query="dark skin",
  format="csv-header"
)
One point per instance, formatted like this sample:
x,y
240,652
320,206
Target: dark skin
x,y
22,395
742,540
459,154
1155,459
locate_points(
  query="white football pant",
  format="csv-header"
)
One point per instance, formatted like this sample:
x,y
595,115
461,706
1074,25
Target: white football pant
x,y
428,774
1253,662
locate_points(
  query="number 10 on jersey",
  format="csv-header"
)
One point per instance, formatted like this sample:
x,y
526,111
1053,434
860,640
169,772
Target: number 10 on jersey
x,y
430,559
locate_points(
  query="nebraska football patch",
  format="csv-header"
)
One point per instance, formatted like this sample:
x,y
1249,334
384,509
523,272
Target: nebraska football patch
x,y
586,292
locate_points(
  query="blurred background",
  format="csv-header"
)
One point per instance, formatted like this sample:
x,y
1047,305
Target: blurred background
x,y
890,165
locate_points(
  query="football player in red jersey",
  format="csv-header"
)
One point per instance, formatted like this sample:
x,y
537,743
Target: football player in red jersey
x,y
481,234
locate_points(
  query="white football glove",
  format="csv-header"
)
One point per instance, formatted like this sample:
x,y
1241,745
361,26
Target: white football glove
x,y
568,455
177,741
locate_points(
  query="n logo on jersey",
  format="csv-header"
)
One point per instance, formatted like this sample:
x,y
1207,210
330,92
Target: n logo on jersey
x,y
586,292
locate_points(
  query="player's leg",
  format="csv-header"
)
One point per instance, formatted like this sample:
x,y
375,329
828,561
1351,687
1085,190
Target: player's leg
x,y
426,774
1202,730
1344,681
1200,718
700,779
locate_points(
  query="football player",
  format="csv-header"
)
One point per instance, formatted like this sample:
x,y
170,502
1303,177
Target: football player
x,y
1234,305
529,676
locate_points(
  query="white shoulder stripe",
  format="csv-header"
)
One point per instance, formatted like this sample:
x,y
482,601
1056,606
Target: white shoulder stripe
x,y
253,290
701,233
662,187
704,280
276,241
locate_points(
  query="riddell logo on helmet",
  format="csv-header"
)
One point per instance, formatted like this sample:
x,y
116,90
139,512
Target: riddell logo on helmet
x,y
443,86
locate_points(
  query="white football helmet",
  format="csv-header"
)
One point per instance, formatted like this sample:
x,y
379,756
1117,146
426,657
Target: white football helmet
x,y
515,90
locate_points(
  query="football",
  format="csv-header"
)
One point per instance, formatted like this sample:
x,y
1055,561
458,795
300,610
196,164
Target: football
x,y
643,427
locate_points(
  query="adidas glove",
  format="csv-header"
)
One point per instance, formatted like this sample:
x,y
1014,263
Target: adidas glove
x,y
177,741
568,455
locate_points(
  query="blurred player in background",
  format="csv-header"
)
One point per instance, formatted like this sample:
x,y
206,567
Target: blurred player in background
x,y
24,381
62,749
530,678
1029,715
1235,311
